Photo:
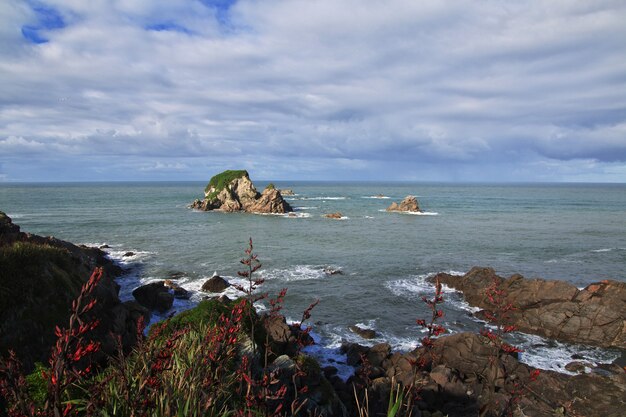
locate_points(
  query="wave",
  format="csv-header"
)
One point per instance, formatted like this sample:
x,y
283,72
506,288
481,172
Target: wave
x,y
418,285
295,273
552,355
383,197
322,198
413,213
305,208
290,215
14,216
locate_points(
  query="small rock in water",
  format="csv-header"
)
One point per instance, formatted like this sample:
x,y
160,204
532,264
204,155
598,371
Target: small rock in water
x,y
332,271
364,333
336,215
215,284
104,246
128,254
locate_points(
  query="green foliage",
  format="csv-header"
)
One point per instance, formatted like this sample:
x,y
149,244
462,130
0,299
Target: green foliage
x,y
207,312
37,385
220,181
270,186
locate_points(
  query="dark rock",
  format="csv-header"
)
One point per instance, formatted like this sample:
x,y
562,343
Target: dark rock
x,y
129,254
354,353
215,284
104,247
332,271
578,366
178,291
364,333
154,296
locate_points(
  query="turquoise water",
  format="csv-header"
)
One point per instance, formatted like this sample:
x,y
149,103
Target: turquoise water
x,y
571,232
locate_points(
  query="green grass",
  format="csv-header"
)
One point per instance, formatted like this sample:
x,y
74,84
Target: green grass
x,y
220,181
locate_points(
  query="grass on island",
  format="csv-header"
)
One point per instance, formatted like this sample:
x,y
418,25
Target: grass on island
x,y
220,181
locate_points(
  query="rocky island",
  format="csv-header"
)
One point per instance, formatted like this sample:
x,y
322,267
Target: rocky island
x,y
409,204
232,191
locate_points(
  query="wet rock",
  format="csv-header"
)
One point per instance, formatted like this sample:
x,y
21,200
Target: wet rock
x,y
270,201
215,284
178,291
332,271
154,296
129,254
409,204
364,333
578,366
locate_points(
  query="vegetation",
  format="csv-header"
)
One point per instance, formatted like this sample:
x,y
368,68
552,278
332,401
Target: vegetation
x,y
270,186
220,181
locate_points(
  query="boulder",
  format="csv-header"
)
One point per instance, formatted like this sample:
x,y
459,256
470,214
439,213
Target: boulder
x,y
129,254
287,191
364,333
154,296
595,315
409,204
215,284
336,215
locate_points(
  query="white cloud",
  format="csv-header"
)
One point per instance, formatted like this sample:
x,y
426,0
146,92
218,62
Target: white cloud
x,y
323,82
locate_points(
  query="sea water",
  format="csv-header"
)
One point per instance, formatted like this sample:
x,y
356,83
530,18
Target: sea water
x,y
572,232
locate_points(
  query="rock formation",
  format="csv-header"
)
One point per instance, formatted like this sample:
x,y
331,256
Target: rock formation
x,y
287,191
409,204
39,277
595,315
233,191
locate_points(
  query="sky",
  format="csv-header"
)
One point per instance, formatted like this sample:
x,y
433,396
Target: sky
x,y
409,90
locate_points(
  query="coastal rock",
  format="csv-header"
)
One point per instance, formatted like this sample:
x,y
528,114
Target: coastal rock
x,y
287,191
332,271
364,333
177,290
154,296
595,315
232,191
129,254
215,284
336,215
39,277
270,201
409,204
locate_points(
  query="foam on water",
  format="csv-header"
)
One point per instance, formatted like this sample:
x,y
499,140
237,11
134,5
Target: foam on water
x,y
295,273
322,198
384,197
305,208
15,216
552,355
412,213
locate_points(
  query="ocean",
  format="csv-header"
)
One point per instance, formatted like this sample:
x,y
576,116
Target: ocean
x,y
572,232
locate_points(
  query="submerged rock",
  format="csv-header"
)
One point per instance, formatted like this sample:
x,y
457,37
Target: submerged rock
x,y
409,204
232,191
336,215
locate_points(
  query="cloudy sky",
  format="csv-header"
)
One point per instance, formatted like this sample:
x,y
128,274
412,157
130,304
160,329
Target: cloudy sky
x,y
313,89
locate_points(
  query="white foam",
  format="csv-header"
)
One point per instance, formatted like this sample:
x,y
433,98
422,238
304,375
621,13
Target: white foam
x,y
419,285
295,273
601,250
384,197
15,216
412,213
552,355
291,215
368,217
323,198
305,208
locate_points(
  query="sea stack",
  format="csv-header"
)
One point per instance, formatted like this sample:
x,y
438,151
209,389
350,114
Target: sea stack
x,y
232,191
409,204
